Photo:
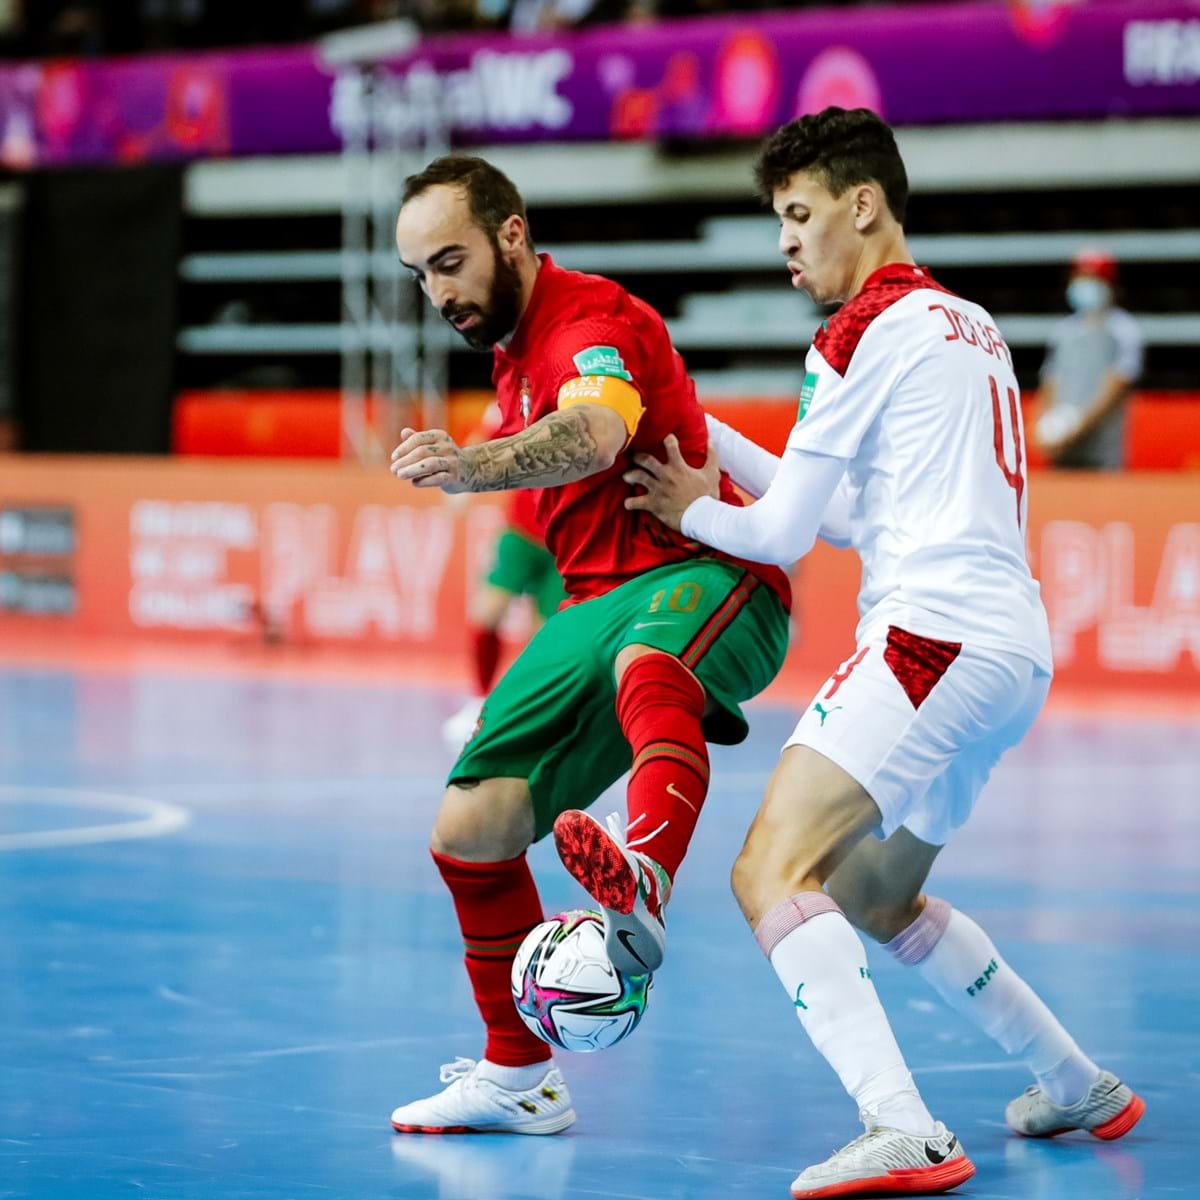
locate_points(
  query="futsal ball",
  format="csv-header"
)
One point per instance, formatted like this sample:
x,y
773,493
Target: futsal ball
x,y
566,990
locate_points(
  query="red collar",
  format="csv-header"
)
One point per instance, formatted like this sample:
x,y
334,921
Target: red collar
x,y
891,274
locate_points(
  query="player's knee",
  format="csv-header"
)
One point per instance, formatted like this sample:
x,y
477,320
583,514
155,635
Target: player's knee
x,y
749,882
453,837
473,826
739,877
745,892
769,869
470,839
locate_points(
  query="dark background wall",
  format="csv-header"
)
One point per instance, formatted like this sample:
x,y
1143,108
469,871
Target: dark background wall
x,y
100,253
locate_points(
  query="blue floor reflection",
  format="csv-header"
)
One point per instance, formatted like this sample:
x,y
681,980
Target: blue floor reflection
x,y
230,1006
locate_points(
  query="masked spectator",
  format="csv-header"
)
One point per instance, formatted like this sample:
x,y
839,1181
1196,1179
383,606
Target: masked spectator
x,y
1094,359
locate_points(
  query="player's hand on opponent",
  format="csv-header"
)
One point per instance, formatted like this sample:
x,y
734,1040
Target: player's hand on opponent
x,y
673,485
431,458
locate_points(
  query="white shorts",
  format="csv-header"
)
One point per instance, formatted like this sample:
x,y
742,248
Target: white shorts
x,y
921,723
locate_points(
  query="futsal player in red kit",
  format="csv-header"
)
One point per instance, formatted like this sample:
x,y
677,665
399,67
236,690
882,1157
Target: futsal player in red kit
x,y
659,643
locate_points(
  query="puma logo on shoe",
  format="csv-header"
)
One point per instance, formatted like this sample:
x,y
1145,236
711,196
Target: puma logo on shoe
x,y
936,1158
672,790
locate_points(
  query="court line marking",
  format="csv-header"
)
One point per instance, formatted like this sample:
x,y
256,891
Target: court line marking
x,y
155,818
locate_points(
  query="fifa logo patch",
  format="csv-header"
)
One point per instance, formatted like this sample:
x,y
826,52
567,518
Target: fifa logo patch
x,y
602,360
806,394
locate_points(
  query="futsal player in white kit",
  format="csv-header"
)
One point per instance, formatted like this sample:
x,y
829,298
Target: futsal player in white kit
x,y
908,445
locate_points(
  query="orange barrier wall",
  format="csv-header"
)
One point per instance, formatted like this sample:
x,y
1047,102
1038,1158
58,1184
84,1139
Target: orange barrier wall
x,y
1164,427
321,554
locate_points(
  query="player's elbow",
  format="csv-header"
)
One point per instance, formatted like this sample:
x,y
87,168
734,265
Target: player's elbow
x,y
607,432
787,555
776,552
785,546
606,454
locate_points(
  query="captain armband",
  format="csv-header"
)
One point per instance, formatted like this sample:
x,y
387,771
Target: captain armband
x,y
622,397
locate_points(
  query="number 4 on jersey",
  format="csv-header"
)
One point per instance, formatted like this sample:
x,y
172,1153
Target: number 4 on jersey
x,y
1015,478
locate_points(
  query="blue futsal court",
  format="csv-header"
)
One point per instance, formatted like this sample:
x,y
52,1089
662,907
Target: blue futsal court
x,y
226,957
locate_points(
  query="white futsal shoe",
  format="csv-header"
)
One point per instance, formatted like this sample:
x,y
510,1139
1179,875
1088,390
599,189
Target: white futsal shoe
x,y
1108,1110
473,1104
459,726
630,887
886,1161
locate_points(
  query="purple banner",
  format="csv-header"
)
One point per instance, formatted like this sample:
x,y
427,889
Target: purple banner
x,y
712,77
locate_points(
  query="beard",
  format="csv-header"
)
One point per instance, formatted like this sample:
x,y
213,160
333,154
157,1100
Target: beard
x,y
498,318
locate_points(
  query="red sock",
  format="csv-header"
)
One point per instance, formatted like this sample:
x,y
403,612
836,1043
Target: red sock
x,y
485,655
660,704
497,905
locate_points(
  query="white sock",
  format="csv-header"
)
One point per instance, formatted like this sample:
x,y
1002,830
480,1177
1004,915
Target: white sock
x,y
822,964
515,1079
964,967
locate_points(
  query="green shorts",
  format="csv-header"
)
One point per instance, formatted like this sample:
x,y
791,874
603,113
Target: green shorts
x,y
523,568
552,719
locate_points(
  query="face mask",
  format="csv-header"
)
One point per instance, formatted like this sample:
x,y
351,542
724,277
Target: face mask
x,y
1087,295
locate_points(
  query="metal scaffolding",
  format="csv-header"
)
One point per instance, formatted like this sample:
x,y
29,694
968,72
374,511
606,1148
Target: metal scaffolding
x,y
394,349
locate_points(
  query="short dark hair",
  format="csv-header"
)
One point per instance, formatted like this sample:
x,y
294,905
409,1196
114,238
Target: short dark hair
x,y
843,147
491,195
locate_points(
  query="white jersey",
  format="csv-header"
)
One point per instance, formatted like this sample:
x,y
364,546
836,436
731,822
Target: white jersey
x,y
915,387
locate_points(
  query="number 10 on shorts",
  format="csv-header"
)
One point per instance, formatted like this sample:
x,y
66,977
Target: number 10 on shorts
x,y
684,598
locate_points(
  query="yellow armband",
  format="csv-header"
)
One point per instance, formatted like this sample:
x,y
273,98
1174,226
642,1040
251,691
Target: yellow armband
x,y
621,397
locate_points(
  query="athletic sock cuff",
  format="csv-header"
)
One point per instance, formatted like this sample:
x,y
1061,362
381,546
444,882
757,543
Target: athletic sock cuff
x,y
654,679
476,870
915,944
788,916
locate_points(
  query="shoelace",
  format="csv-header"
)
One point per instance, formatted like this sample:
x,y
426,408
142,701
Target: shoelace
x,y
458,1069
861,1145
851,1148
619,832
616,826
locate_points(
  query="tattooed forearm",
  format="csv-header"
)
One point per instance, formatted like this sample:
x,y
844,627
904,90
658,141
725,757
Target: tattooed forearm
x,y
559,448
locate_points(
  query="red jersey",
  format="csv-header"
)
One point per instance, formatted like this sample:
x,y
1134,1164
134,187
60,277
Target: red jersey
x,y
573,321
523,514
